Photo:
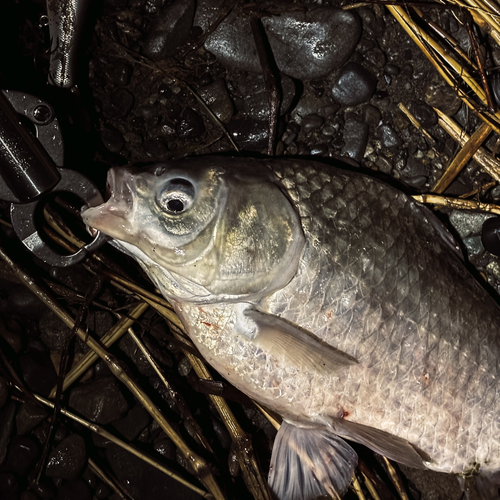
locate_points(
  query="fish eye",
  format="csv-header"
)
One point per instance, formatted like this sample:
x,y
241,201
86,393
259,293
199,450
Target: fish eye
x,y
176,197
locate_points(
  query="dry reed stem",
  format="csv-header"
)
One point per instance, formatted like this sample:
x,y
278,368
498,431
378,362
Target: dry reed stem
x,y
197,463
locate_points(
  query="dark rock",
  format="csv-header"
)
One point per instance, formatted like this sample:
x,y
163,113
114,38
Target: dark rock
x,y
376,57
68,458
319,150
190,125
45,489
167,129
22,301
444,98
4,392
353,85
424,114
53,331
38,372
7,414
165,447
74,277
310,44
249,134
136,420
383,164
304,149
311,122
23,453
143,481
76,489
28,495
372,115
415,173
100,401
400,120
310,104
99,322
170,29
305,44
155,149
388,137
254,96
149,115
11,332
120,73
119,105
102,490
288,137
370,21
391,69
184,367
328,110
217,99
28,417
112,139
90,478
355,139
9,486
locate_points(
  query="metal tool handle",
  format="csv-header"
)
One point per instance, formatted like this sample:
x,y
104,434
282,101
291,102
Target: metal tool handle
x,y
25,166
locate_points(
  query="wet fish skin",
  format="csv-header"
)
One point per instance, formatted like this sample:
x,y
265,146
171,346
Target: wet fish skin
x,y
368,272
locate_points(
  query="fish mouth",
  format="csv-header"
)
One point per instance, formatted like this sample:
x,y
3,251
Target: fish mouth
x,y
114,217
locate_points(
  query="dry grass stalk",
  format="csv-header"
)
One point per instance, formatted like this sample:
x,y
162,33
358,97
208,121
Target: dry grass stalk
x,y
114,485
111,437
356,487
197,463
242,444
450,70
395,478
490,165
108,339
462,158
186,414
417,125
457,203
370,487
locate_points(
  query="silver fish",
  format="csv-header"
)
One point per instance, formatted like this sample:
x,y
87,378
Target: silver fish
x,y
328,296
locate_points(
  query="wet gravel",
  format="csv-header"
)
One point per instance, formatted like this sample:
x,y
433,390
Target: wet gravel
x,y
162,79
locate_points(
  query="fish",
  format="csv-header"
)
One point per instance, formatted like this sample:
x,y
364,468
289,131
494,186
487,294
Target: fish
x,y
329,297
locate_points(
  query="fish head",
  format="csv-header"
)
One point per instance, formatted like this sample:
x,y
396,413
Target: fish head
x,y
217,229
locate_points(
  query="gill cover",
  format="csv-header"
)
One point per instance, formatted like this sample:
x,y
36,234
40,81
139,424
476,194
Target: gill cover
x,y
227,231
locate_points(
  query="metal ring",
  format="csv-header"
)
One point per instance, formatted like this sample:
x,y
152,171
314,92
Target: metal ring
x,y
23,221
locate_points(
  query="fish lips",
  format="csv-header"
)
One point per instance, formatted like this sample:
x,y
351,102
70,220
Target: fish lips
x,y
115,217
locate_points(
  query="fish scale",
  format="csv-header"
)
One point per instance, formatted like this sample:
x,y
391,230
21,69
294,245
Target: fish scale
x,y
377,278
432,280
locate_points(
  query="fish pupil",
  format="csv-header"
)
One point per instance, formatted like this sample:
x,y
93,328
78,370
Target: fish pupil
x,y
175,205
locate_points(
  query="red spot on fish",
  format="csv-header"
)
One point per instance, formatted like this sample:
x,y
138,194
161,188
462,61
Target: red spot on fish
x,y
207,324
329,314
344,413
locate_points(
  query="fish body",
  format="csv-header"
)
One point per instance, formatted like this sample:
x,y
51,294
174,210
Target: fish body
x,y
328,296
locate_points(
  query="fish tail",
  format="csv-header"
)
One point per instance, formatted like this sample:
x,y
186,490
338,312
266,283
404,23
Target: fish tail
x,y
308,462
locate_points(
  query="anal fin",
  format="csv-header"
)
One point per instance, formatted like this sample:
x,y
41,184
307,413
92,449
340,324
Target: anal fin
x,y
384,443
307,463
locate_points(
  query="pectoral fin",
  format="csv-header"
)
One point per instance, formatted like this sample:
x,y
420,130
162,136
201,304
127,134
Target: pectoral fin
x,y
382,442
309,463
280,338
